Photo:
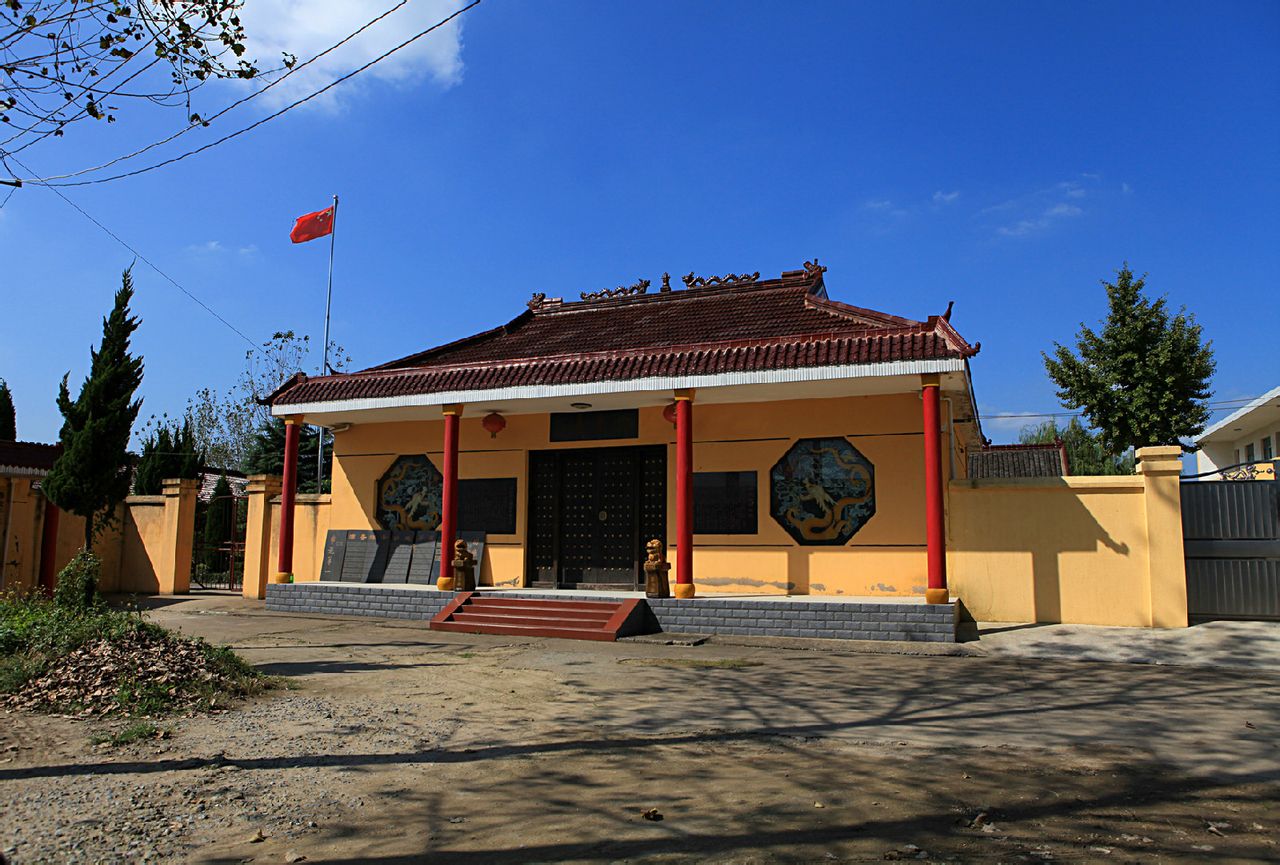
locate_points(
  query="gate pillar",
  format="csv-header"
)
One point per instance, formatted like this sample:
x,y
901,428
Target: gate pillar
x,y
1160,468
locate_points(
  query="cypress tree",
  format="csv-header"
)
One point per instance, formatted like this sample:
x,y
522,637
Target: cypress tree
x,y
8,417
219,525
266,454
167,453
92,475
1144,379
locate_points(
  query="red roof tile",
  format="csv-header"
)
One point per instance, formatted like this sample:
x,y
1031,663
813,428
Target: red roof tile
x,y
785,323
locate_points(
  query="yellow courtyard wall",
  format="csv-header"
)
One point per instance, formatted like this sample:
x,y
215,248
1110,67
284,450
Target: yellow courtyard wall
x,y
142,544
1085,550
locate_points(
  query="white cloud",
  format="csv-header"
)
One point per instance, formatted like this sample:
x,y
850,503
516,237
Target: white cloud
x,y
941,197
207,248
882,204
307,27
1126,188
1043,222
1039,211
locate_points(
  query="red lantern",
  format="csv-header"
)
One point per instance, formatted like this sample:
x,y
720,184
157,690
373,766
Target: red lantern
x,y
494,423
669,414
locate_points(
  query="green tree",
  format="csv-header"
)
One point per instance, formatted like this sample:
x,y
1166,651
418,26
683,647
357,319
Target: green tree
x,y
1085,453
167,452
226,423
92,475
219,525
266,455
8,416
1144,379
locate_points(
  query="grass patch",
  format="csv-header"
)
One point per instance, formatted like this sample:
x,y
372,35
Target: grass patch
x,y
92,660
692,663
135,732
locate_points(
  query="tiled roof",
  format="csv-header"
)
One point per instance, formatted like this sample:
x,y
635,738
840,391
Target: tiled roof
x,y
209,481
1019,461
27,458
784,323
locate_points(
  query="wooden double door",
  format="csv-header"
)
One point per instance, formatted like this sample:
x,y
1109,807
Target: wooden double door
x,y
591,512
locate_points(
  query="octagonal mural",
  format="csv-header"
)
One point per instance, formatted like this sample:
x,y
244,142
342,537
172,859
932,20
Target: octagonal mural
x,y
409,494
822,491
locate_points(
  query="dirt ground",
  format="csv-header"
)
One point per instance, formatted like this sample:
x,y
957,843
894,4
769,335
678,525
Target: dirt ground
x,y
395,744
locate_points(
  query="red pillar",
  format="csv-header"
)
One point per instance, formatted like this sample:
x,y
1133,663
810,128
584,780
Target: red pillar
x,y
684,496
449,495
935,526
49,548
284,563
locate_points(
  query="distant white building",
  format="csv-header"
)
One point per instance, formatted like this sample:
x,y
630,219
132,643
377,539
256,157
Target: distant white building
x,y
1249,435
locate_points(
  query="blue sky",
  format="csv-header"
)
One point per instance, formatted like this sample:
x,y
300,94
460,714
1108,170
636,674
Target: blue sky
x,y
1004,156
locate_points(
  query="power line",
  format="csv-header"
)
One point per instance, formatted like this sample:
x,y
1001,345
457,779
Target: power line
x,y
206,121
144,259
1214,408
269,117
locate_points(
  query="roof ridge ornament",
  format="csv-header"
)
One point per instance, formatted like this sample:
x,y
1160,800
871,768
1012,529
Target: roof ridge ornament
x,y
691,281
812,268
640,287
540,300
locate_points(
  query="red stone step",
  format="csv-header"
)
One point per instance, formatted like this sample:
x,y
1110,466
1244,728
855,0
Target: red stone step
x,y
545,604
532,629
466,615
473,613
533,612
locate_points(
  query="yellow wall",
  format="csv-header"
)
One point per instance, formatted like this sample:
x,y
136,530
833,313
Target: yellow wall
x,y
142,546
312,520
1086,550
886,557
131,548
21,520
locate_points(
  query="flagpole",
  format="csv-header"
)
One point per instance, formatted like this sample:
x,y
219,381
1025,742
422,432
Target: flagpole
x,y
324,368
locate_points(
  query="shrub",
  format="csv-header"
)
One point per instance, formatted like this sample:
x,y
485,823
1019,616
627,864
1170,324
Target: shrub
x,y
78,582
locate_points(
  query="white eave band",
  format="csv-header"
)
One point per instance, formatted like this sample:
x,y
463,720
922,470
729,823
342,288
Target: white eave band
x,y
22,472
657,383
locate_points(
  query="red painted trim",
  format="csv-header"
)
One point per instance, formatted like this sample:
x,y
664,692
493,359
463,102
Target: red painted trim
x,y
449,496
620,616
459,600
684,491
288,495
49,548
935,527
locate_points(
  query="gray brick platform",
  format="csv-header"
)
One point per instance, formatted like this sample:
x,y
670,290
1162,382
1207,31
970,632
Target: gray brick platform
x,y
355,599
831,620
839,620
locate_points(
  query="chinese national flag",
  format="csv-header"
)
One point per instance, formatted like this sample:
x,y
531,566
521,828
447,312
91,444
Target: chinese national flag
x,y
312,225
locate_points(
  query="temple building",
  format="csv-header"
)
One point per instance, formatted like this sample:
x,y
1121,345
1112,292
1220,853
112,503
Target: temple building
x,y
774,440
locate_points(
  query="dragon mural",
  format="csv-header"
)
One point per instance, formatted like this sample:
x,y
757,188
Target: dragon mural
x,y
822,491
409,495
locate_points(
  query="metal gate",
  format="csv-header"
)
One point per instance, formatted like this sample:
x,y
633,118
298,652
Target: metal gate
x,y
1231,536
